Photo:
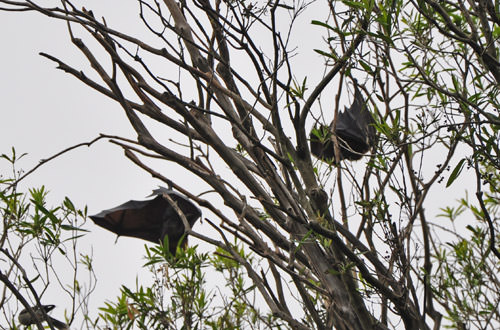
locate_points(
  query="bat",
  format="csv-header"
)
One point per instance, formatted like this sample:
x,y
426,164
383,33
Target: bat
x,y
25,317
354,130
151,219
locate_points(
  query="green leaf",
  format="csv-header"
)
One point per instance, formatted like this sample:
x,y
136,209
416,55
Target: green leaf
x,y
69,227
49,214
355,4
456,172
323,24
323,53
366,66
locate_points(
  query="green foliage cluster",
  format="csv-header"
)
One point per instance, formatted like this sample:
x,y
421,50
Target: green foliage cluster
x,y
181,298
39,247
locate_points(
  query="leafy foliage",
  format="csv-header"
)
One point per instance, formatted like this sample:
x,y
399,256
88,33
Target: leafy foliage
x,y
39,248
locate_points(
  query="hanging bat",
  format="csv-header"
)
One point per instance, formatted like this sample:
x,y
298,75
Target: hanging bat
x,y
25,318
354,130
152,219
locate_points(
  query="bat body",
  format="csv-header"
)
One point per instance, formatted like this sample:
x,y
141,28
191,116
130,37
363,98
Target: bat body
x,y
25,317
152,219
354,130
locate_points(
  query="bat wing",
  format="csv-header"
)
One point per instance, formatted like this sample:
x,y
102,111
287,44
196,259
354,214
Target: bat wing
x,y
352,136
321,143
140,219
354,130
172,224
150,220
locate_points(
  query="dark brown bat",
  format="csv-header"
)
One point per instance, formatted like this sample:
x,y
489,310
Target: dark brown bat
x,y
152,219
25,318
354,130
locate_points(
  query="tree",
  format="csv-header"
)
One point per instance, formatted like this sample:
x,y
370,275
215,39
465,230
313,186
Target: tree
x,y
339,245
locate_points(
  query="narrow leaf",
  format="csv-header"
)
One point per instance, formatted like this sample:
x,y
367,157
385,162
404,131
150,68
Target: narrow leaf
x,y
456,172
